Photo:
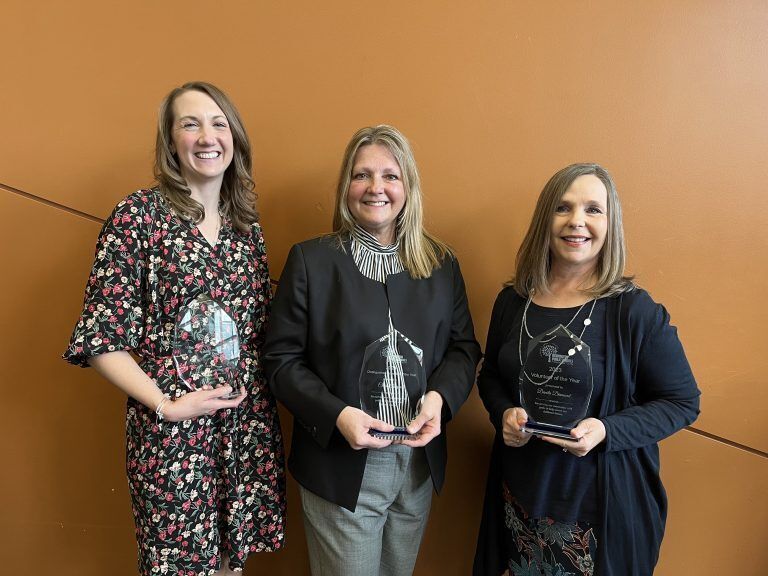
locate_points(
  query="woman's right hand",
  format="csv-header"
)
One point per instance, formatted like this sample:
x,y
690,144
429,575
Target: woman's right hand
x,y
512,422
200,402
355,425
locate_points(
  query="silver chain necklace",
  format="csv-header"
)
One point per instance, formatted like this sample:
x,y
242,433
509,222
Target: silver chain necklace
x,y
571,351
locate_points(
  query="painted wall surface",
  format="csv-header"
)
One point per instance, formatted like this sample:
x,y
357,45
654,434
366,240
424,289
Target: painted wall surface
x,y
495,95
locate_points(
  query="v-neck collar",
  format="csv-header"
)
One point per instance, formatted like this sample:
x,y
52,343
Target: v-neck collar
x,y
194,229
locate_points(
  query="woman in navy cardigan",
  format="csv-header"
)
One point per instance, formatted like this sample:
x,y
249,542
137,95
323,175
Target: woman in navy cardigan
x,y
594,503
366,499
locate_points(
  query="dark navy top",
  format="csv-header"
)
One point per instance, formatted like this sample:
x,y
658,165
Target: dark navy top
x,y
544,480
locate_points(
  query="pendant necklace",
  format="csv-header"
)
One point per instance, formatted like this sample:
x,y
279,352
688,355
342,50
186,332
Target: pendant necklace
x,y
571,351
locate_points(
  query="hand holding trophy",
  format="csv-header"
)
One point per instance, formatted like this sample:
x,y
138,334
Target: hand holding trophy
x,y
392,383
556,383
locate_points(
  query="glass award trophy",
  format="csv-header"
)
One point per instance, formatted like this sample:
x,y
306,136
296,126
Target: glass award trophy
x,y
556,383
392,383
206,349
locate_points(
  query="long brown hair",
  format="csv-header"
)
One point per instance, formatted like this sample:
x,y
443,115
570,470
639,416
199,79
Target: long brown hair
x,y
420,252
533,262
238,199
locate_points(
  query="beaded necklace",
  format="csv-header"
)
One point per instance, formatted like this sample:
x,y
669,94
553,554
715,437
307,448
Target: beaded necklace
x,y
571,351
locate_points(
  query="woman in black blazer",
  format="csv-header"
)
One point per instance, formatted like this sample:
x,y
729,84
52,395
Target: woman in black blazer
x,y
366,498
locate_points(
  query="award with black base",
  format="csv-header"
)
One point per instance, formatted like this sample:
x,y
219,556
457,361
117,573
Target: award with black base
x,y
556,383
206,349
392,383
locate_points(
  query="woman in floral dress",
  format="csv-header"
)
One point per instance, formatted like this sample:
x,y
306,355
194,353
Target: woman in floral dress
x,y
204,463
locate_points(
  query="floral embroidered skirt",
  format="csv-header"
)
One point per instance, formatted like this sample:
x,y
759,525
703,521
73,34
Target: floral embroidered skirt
x,y
545,547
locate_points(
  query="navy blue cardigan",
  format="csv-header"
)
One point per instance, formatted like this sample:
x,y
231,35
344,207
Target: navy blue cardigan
x,y
650,393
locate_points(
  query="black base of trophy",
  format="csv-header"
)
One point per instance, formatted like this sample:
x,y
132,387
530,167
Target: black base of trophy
x,y
549,430
396,434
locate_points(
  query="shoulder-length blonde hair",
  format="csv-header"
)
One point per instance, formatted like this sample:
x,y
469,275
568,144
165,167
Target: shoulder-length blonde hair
x,y
238,199
533,262
420,252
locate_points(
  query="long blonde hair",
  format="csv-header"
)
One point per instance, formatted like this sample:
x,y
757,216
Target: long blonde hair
x,y
533,262
238,199
420,252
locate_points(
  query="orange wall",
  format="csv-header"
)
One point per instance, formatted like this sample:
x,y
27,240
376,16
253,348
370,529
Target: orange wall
x,y
495,96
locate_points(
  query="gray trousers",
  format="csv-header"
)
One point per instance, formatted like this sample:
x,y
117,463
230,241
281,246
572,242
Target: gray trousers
x,y
382,536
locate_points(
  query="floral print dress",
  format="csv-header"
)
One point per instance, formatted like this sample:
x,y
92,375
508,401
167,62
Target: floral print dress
x,y
205,486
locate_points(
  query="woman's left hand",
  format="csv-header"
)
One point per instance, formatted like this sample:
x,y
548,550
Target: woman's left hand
x,y
426,425
590,432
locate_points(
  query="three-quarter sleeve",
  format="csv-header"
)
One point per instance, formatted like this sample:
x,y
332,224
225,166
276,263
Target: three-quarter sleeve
x,y
113,312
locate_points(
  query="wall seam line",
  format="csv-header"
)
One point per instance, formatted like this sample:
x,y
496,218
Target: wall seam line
x,y
51,203
730,443
74,211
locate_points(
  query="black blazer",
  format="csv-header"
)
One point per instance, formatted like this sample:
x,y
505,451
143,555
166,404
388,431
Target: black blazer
x,y
324,315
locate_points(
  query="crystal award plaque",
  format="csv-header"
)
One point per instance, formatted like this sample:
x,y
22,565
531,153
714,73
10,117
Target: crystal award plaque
x,y
392,383
206,348
556,383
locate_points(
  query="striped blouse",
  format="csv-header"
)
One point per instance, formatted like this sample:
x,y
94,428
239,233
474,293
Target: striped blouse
x,y
372,259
